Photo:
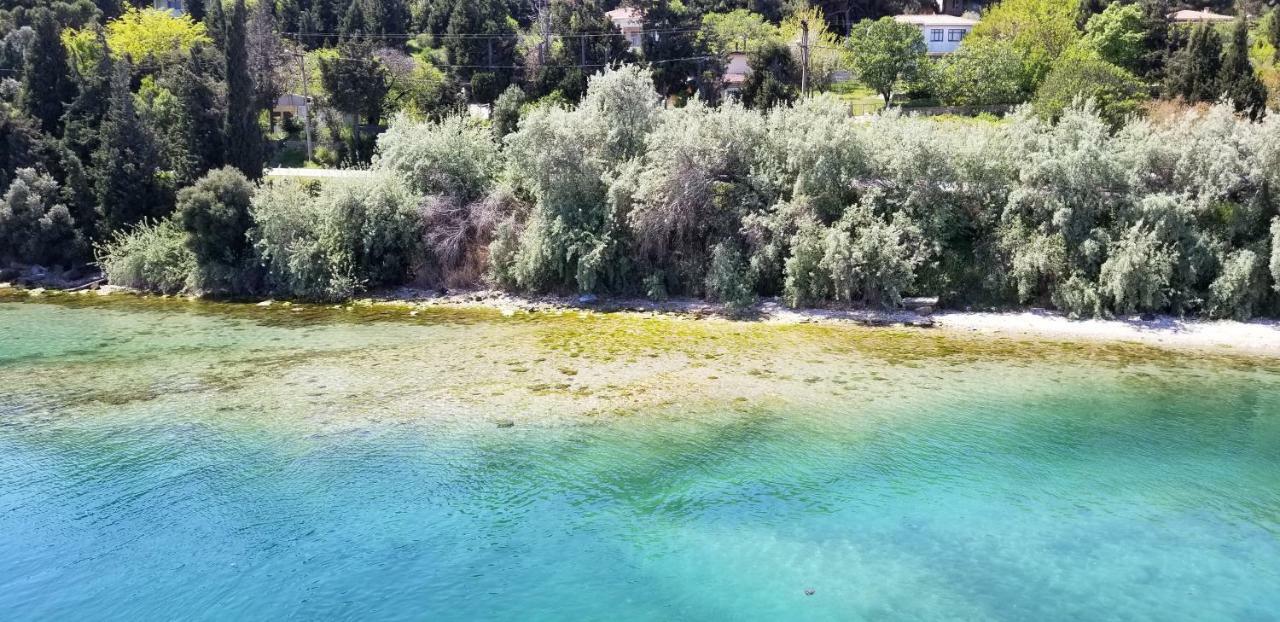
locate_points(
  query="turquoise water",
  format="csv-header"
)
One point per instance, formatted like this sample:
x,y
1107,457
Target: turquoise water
x,y
186,463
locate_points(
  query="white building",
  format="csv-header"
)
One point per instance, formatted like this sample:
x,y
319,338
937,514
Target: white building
x,y
942,33
1199,17
176,7
631,23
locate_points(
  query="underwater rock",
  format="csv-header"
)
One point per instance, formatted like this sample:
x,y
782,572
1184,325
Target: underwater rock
x,y
506,423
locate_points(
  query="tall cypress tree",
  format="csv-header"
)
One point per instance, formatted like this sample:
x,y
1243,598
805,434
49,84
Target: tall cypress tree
x,y
244,135
126,162
1240,83
199,125
1273,31
1155,39
215,23
353,23
84,116
484,62
669,53
196,10
46,81
1193,72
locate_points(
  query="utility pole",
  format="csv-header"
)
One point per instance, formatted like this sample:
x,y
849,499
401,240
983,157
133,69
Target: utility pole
x,y
306,102
804,58
544,16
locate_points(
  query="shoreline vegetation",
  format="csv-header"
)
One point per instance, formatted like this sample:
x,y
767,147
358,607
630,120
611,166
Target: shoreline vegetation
x,y
620,197
1255,338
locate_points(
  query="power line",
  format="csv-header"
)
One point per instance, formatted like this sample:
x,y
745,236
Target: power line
x,y
573,66
513,36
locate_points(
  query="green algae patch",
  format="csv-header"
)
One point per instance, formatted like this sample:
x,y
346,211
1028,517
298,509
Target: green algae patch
x,y
585,338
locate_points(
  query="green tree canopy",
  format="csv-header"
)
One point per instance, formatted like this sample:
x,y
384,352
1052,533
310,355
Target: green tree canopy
x,y
1077,78
1194,70
357,84
886,52
1117,34
983,72
673,51
1040,31
490,58
214,213
126,163
739,30
153,33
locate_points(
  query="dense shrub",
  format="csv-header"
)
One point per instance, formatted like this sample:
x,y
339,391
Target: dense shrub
x,y
454,158
332,242
1275,254
620,195
506,112
980,73
151,256
728,280
566,159
693,190
1116,93
214,213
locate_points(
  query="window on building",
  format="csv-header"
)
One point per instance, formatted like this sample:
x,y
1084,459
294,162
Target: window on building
x,y
955,35
935,34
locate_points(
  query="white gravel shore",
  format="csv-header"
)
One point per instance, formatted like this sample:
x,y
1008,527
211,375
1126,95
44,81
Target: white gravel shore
x,y
1260,337
1256,337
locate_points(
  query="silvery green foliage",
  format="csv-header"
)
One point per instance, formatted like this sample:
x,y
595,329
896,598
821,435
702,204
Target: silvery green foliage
x,y
35,226
1239,286
622,107
454,157
331,242
453,166
1139,271
870,258
807,280
819,152
728,279
952,179
151,257
1068,177
864,257
1275,254
1069,174
566,159
697,183
298,241
9,89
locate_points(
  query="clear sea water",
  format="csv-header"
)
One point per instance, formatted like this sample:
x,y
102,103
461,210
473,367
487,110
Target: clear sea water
x,y
171,461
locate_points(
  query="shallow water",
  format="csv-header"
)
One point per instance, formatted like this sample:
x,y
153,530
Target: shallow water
x,y
164,460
